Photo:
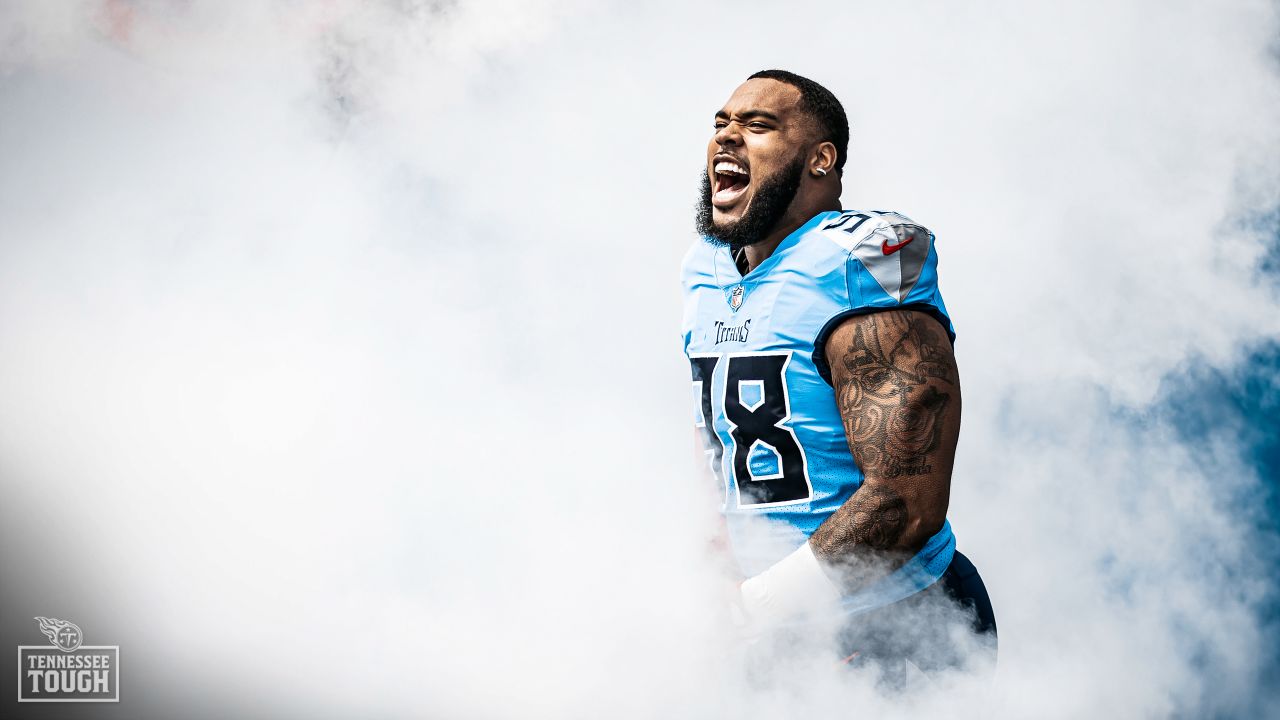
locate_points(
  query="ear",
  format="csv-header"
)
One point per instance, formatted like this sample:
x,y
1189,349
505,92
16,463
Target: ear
x,y
822,161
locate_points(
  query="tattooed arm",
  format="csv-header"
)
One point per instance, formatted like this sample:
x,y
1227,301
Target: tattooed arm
x,y
898,391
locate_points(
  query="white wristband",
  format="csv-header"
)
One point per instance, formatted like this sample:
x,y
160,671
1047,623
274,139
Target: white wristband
x,y
795,587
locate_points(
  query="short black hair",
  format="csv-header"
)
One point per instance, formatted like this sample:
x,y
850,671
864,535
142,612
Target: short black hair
x,y
820,104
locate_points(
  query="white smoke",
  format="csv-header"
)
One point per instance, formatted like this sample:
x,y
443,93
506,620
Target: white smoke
x,y
339,345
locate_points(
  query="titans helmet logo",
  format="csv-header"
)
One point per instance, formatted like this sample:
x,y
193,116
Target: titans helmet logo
x,y
65,636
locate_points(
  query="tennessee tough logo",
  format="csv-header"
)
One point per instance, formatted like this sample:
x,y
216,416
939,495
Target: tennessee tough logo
x,y
69,671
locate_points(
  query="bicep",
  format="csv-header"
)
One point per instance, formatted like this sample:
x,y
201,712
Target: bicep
x,y
898,391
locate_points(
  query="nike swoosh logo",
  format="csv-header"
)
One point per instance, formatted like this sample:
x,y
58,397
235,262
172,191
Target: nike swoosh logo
x,y
888,249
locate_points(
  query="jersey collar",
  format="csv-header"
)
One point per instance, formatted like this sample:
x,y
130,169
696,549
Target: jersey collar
x,y
727,269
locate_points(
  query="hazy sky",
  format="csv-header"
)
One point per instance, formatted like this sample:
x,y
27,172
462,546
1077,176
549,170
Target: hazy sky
x,y
340,367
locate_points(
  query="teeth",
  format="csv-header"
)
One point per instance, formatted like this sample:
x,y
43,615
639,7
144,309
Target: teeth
x,y
724,166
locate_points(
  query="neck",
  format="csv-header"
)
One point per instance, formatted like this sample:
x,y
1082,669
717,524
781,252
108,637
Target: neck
x,y
757,253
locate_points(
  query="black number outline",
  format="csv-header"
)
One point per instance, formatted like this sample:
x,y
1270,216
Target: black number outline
x,y
730,450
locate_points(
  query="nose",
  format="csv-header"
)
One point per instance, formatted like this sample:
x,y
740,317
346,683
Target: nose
x,y
728,135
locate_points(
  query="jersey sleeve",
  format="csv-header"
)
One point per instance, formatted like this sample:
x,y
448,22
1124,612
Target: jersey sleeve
x,y
892,263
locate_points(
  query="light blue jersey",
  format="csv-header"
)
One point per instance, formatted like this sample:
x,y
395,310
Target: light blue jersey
x,y
761,386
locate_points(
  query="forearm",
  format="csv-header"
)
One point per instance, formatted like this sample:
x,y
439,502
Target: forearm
x,y
874,533
871,535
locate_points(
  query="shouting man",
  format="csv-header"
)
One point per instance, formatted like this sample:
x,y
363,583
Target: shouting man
x,y
825,386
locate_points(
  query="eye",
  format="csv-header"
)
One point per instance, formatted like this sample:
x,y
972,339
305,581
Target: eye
x,y
757,125
720,124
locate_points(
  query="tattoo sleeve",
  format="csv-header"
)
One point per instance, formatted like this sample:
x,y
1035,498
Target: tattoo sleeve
x,y
898,392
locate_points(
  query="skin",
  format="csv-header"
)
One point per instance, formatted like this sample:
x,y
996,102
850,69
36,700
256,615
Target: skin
x,y
898,390
762,127
893,372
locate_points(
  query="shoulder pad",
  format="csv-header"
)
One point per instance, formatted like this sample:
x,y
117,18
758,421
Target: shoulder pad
x,y
891,246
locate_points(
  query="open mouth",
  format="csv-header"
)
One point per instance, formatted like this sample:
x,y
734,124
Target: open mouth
x,y
731,181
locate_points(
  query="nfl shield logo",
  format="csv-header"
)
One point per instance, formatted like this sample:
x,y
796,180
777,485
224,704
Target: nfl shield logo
x,y
734,295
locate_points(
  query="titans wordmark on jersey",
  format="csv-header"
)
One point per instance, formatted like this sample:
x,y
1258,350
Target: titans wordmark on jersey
x,y
762,393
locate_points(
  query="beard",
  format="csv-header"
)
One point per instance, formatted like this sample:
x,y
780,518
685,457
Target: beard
x,y
764,210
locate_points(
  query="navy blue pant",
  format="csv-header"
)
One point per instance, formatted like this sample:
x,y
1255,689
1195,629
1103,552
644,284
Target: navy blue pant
x,y
923,628
964,585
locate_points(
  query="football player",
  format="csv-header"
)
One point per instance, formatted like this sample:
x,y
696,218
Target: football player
x,y
825,386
